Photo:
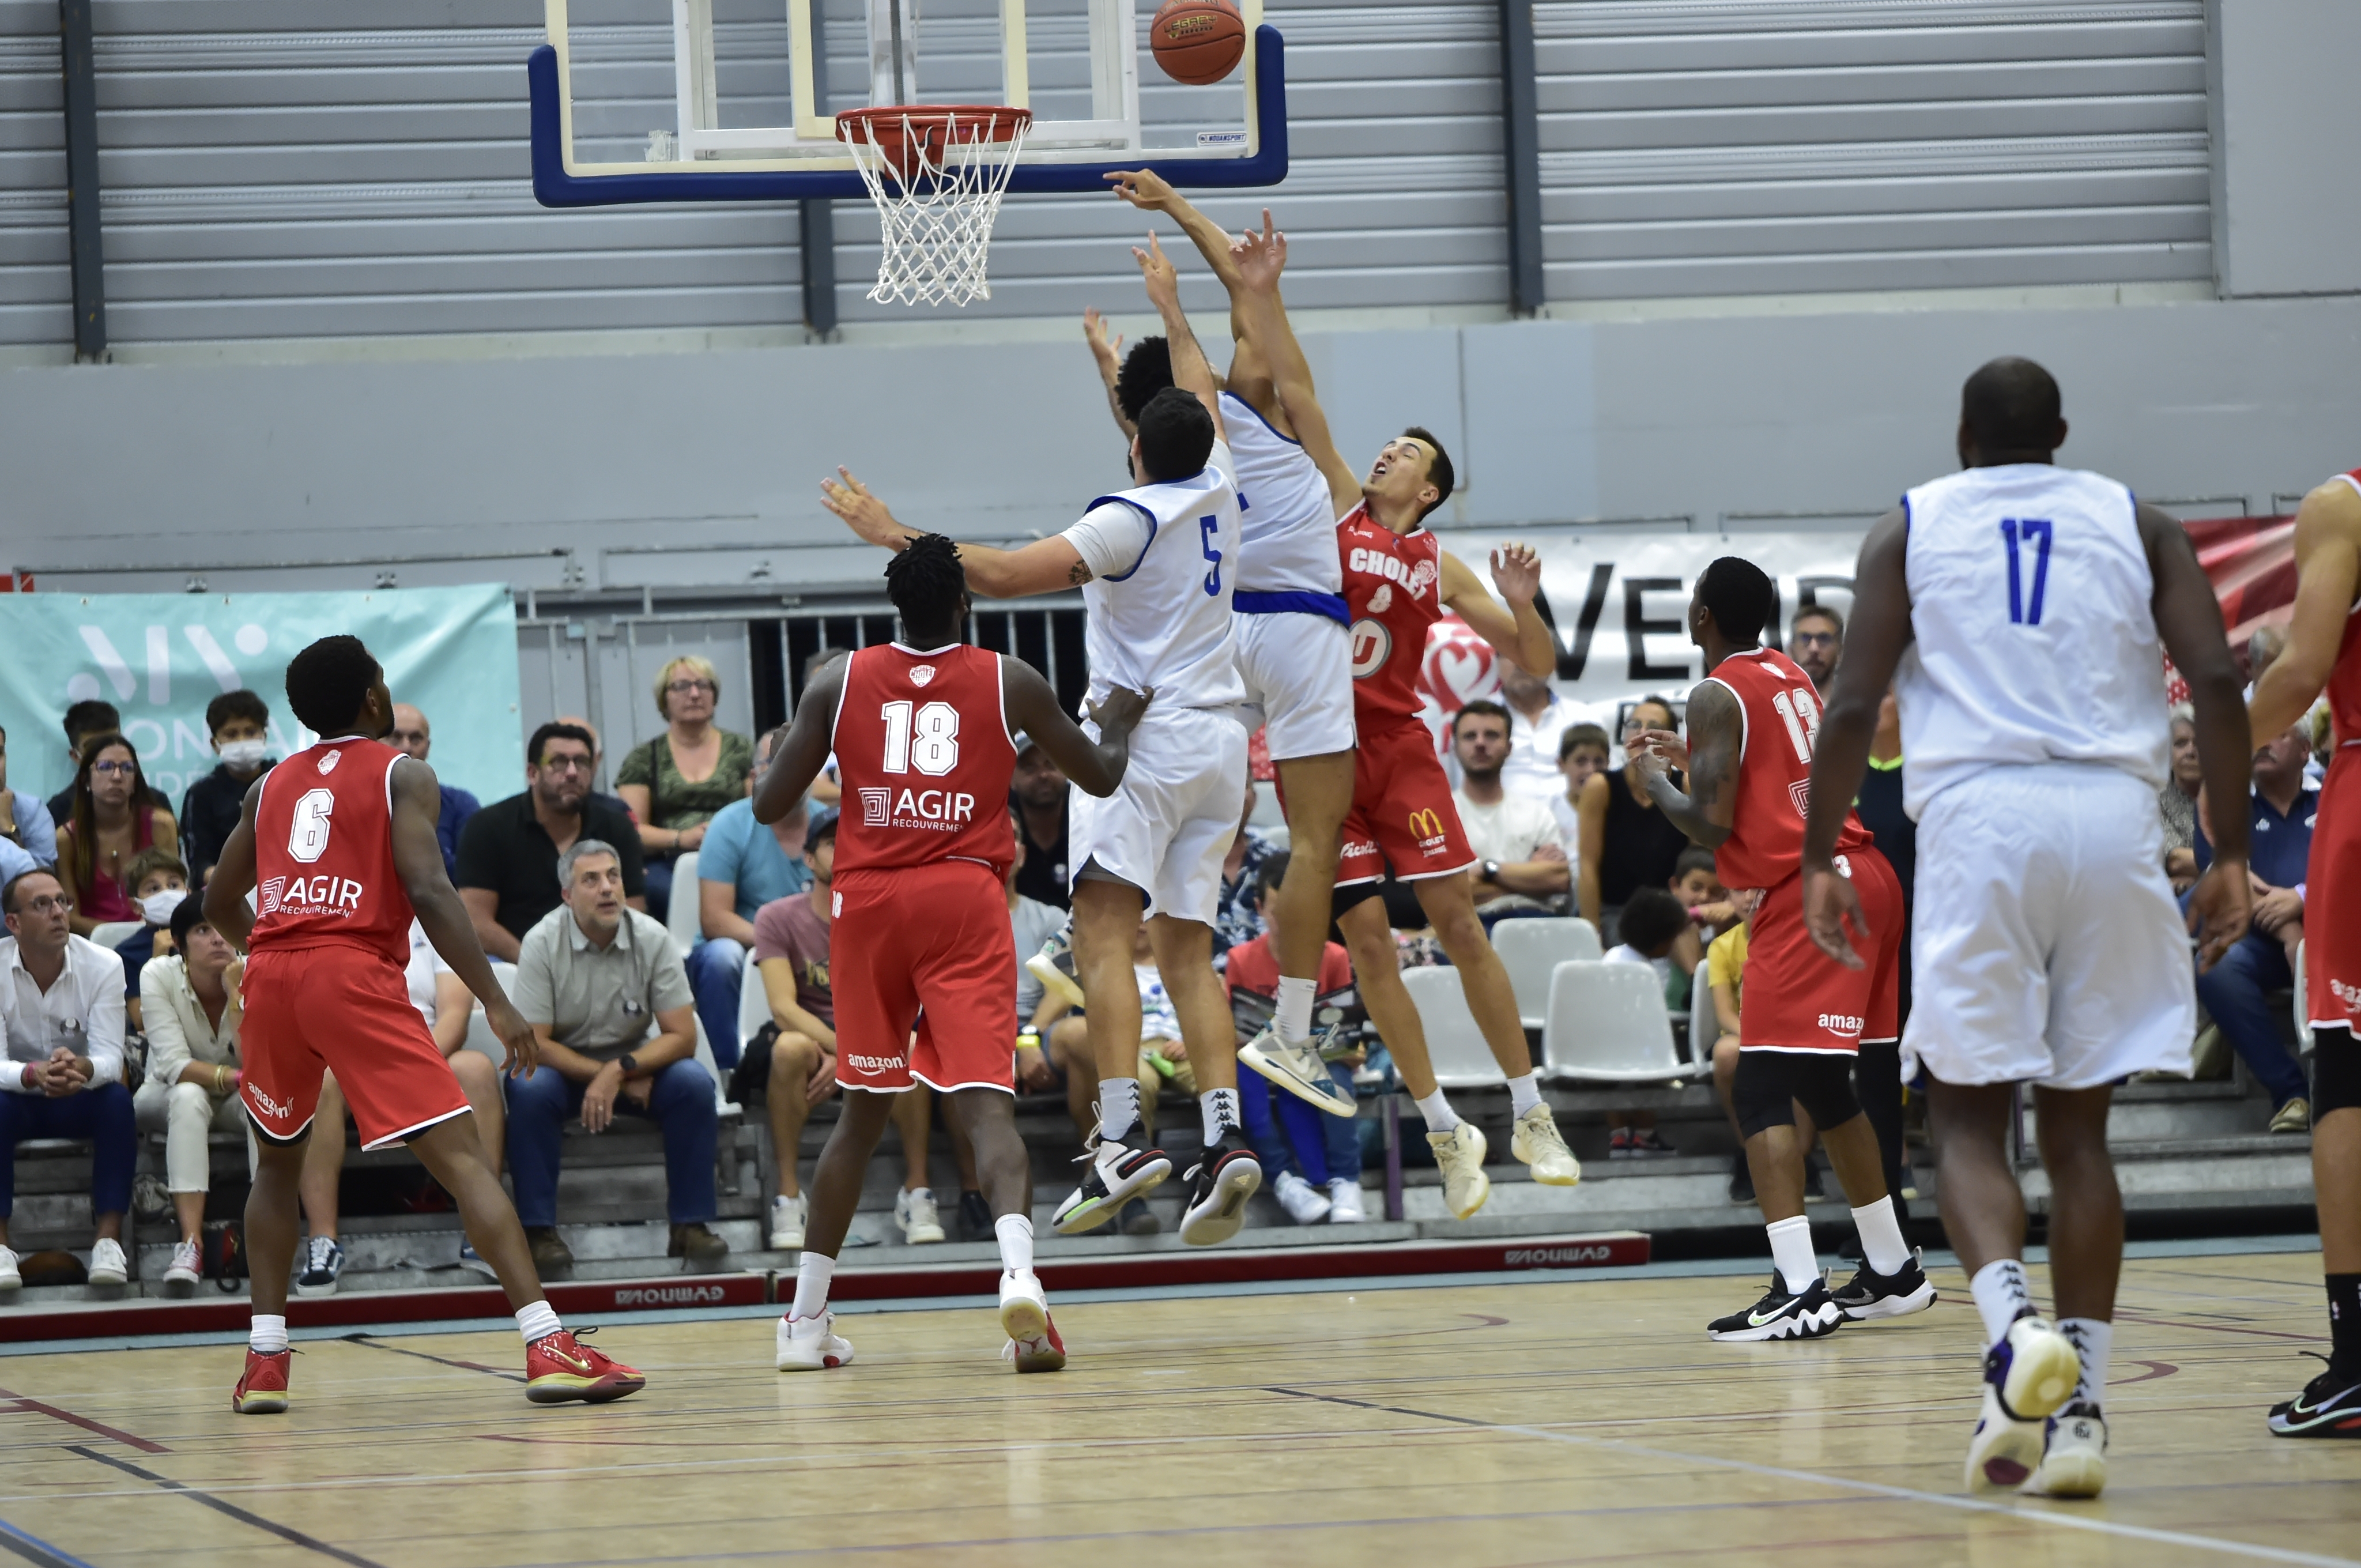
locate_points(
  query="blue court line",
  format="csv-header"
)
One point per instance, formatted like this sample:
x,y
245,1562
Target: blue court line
x,y
33,1549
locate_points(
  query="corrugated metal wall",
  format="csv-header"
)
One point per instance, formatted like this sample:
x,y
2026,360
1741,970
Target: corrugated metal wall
x,y
36,292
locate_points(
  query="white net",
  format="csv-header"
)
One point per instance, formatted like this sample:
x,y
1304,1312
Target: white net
x,y
937,176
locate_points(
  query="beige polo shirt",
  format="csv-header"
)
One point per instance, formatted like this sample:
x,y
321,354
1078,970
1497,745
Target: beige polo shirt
x,y
599,1001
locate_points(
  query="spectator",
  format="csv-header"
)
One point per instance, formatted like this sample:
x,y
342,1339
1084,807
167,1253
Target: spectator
x,y
1816,641
2236,990
609,1005
741,866
1582,751
112,820
411,736
1538,720
240,726
2176,801
598,761
1314,1159
28,836
1524,868
1653,923
676,782
84,720
1238,918
159,885
508,850
1878,1069
1032,924
189,998
1039,793
1627,843
1725,967
1162,1058
62,1008
791,945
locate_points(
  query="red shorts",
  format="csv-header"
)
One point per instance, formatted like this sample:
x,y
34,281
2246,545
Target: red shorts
x,y
1796,997
927,948
1401,809
346,1010
2332,900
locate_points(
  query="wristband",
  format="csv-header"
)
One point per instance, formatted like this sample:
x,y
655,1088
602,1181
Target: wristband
x,y
25,1075
1028,1039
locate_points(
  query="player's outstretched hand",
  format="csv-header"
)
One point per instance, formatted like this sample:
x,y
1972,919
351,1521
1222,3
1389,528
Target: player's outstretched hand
x,y
521,1052
1143,187
1260,258
1517,573
863,512
2220,907
1119,714
1829,900
1156,269
1107,343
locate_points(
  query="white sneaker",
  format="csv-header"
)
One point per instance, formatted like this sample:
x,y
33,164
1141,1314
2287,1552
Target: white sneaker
x,y
1304,1203
2004,1452
107,1264
1296,1067
10,1279
1033,1343
1459,1155
788,1217
185,1275
1344,1202
1539,1145
812,1344
2073,1454
914,1210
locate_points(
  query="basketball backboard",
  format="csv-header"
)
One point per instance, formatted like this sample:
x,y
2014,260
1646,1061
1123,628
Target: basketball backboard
x,y
751,112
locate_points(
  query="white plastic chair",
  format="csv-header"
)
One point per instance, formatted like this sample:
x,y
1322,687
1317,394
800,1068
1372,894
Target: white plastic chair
x,y
753,1004
113,933
721,1100
2302,1009
481,1038
682,917
1454,1046
1532,949
1607,1023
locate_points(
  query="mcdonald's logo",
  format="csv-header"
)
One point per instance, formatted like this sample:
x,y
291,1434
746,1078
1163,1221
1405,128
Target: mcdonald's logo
x,y
1426,824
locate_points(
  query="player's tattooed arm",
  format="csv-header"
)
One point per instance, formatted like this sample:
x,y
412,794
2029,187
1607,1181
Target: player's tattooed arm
x,y
1717,735
1192,371
1033,710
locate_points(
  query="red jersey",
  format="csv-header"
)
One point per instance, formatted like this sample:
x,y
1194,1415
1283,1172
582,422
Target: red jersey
x,y
924,756
2344,680
1765,846
324,852
1393,591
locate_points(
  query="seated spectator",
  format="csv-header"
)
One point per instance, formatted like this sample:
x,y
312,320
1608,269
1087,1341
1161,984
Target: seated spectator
x,y
1039,790
411,736
598,761
791,944
1653,923
1313,1159
159,885
610,1007
509,850
189,998
1162,1058
1524,868
741,866
1031,923
2236,990
83,720
1239,918
1582,751
61,1009
1626,842
29,838
676,782
1698,884
240,726
110,824
2176,801
1816,641
1538,720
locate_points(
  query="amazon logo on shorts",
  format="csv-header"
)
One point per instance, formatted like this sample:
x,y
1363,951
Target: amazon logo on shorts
x,y
874,1064
1426,827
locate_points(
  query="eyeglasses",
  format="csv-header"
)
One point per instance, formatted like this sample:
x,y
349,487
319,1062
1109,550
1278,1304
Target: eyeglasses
x,y
564,764
1815,638
125,769
50,904
682,688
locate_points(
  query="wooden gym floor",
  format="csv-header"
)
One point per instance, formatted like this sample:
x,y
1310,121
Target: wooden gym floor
x,y
1532,1421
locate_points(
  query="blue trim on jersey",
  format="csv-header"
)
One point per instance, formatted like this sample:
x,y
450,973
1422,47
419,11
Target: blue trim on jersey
x,y
1126,500
1258,417
1292,602
1905,514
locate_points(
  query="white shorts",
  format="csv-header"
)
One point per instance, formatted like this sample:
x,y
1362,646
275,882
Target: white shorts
x,y
2045,945
1169,827
1298,669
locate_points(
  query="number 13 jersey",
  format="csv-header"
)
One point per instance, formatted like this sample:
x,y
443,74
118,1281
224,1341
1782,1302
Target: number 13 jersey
x,y
324,867
1765,846
2034,635
925,757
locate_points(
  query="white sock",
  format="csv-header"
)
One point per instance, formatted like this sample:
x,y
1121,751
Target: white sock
x,y
269,1335
1525,1092
2002,1295
1220,1108
1792,1253
537,1322
1440,1116
1293,1019
1881,1235
1016,1234
2094,1340
813,1272
1118,1108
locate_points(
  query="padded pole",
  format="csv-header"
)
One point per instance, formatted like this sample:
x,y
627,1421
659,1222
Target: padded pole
x,y
1522,140
83,237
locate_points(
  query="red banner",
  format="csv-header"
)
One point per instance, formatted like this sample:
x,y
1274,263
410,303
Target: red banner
x,y
2251,561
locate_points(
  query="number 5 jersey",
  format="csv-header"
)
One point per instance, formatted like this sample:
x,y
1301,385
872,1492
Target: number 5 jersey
x,y
324,852
924,756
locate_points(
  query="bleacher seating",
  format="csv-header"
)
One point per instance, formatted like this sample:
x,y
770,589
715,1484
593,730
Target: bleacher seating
x,y
681,915
1453,1044
1606,1023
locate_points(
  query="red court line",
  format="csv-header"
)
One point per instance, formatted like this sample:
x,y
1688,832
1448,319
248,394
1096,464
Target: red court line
x,y
101,1428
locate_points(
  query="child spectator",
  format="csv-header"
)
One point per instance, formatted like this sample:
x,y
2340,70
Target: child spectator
x,y
240,726
159,885
1582,751
1653,923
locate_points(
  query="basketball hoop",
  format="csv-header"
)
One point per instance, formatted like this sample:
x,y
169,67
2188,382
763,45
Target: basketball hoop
x,y
937,172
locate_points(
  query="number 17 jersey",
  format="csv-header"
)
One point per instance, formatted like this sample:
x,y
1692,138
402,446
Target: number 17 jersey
x,y
925,758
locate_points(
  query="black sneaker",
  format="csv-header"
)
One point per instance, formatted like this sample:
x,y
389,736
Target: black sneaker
x,y
324,1265
1782,1314
1741,1179
1221,1182
1139,1220
975,1217
2330,1405
1894,1295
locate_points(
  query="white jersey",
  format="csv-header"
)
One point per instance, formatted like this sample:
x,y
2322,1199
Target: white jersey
x,y
1162,558
1287,518
2034,636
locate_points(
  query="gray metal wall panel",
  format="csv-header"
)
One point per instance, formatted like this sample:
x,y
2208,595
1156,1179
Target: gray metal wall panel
x,y
36,289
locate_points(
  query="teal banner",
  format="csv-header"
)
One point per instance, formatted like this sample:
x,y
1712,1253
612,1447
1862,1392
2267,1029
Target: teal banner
x,y
159,658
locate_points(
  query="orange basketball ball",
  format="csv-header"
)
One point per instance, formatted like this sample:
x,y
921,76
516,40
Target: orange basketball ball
x,y
1198,42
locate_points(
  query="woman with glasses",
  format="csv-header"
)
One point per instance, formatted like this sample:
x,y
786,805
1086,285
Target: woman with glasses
x,y
114,818
675,783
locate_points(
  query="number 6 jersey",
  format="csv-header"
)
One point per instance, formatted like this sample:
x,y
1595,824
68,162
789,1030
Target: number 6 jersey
x,y
924,756
1765,846
324,867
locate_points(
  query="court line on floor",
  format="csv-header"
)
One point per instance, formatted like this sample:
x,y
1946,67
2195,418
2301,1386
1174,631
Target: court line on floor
x,y
372,1342
1874,1488
244,1516
35,1550
101,1428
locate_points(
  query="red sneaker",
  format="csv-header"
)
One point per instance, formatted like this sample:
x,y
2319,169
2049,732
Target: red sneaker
x,y
558,1367
263,1390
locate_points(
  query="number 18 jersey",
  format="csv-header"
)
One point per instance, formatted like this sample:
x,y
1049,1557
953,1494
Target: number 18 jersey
x,y
2034,635
324,867
1765,846
924,756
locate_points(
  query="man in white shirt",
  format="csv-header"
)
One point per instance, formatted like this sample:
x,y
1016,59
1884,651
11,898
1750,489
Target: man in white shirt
x,y
1516,835
61,1002
1538,716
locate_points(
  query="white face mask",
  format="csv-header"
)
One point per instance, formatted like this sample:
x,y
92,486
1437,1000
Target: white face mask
x,y
158,906
244,753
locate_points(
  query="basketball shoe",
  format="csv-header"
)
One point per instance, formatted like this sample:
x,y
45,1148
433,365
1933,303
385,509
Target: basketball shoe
x,y
812,1344
1297,1067
1053,966
1033,1342
1894,1295
262,1391
559,1367
2073,1454
2330,1405
1112,1174
1459,1155
1783,1314
2027,1376
1221,1182
1539,1143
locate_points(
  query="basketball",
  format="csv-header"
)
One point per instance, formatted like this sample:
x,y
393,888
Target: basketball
x,y
1198,42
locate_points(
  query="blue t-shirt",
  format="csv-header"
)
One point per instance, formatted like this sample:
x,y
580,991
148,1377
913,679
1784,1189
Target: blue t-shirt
x,y
740,850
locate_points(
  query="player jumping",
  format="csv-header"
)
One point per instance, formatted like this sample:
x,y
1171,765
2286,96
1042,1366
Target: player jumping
x,y
1751,723
2015,608
340,841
